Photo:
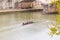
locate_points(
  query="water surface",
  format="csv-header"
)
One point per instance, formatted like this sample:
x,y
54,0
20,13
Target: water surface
x,y
10,18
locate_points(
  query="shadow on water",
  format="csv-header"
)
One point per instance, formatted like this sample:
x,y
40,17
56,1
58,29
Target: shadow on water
x,y
52,13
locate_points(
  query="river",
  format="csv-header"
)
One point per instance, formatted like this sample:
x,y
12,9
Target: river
x,y
10,18
11,27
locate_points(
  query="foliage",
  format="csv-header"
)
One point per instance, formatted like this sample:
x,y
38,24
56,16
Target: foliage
x,y
56,28
53,31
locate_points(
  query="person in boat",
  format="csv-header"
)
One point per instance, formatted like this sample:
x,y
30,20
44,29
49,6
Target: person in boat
x,y
26,23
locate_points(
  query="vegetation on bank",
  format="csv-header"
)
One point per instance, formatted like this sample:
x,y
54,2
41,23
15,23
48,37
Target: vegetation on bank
x,y
55,29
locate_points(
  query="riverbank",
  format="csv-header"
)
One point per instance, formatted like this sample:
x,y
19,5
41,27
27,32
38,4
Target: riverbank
x,y
12,10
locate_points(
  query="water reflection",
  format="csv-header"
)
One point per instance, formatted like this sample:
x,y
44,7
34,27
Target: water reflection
x,y
11,18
